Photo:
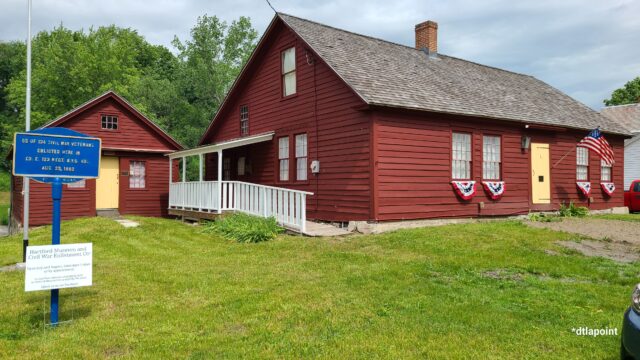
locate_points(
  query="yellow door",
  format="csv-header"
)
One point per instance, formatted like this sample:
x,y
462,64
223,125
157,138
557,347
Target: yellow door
x,y
540,176
107,184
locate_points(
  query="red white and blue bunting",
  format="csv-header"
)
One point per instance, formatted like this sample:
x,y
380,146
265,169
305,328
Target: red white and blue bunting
x,y
494,188
465,189
585,187
608,187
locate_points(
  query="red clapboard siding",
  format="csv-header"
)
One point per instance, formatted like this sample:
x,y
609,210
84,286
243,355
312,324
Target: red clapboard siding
x,y
75,202
323,108
413,170
135,139
154,198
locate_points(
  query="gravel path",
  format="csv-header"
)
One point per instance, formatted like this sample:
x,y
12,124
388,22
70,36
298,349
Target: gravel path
x,y
615,239
613,230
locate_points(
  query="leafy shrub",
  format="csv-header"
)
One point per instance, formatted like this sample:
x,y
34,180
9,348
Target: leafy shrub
x,y
542,217
5,180
4,214
572,210
245,228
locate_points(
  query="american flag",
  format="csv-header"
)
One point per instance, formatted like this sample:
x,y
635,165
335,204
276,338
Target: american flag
x,y
596,142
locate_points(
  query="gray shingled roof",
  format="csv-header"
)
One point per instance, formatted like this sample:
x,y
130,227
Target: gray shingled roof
x,y
626,115
389,74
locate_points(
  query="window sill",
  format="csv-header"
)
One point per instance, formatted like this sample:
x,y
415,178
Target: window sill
x,y
292,96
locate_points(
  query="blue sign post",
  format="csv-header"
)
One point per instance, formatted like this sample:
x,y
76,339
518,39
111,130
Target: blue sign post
x,y
56,156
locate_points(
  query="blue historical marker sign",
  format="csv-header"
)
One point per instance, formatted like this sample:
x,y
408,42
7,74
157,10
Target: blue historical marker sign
x,y
56,153
56,156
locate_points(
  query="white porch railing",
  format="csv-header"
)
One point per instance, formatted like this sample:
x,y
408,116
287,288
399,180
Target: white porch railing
x,y
287,206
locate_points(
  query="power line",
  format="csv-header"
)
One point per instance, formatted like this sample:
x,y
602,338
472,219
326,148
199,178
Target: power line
x,y
271,6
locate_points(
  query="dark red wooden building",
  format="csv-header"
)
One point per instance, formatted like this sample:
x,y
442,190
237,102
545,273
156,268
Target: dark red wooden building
x,y
379,131
133,169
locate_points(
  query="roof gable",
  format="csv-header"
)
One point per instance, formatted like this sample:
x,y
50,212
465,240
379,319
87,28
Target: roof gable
x,y
388,74
270,33
110,96
627,116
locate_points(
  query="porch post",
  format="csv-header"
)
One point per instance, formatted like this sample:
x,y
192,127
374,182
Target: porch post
x,y
171,195
220,181
201,165
184,169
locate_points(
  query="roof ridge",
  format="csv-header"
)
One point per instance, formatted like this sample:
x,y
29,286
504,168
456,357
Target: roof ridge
x,y
74,109
621,105
104,95
397,44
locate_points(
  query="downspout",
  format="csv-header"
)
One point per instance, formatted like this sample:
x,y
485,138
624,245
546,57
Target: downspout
x,y
315,115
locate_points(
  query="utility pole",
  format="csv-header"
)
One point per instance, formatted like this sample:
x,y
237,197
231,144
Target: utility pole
x,y
25,180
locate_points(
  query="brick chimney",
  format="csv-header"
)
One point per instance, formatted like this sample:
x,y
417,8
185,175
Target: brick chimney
x,y
427,36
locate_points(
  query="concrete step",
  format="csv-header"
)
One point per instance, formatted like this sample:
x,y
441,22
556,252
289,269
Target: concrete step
x,y
323,229
108,213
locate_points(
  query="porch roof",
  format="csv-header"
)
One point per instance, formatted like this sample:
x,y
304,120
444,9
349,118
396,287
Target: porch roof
x,y
229,144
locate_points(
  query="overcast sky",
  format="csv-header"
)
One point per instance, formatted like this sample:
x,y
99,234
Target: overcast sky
x,y
585,48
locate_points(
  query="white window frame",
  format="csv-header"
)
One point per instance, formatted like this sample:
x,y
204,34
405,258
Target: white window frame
x,y
582,163
81,184
283,158
301,157
288,69
606,171
244,120
491,157
461,160
109,122
137,175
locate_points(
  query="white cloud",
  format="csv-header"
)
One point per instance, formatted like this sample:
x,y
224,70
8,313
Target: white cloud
x,y
586,48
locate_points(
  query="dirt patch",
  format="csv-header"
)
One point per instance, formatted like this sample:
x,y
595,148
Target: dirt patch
x,y
609,230
14,267
503,274
620,252
614,239
500,274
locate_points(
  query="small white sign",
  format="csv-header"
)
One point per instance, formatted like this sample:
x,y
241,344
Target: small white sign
x,y
58,266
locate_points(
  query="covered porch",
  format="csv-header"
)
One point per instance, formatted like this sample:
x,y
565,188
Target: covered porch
x,y
204,198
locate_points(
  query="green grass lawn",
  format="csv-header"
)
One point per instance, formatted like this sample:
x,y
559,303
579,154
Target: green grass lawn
x,y
166,290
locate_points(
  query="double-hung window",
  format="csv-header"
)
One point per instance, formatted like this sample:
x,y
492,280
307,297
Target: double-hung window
x,y
226,168
244,120
301,157
283,158
289,72
241,165
582,163
461,156
605,171
137,175
491,157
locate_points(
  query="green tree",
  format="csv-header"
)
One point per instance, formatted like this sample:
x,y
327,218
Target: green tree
x,y
628,94
209,63
70,67
181,93
12,61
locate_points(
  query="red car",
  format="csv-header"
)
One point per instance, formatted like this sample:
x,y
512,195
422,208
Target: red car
x,y
632,197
